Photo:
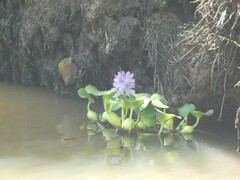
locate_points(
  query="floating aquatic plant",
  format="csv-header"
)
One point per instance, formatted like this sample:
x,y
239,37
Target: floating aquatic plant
x,y
129,111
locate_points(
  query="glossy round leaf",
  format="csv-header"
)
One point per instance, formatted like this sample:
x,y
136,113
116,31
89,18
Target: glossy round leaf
x,y
197,114
160,98
94,91
84,94
141,96
159,104
186,109
209,113
145,104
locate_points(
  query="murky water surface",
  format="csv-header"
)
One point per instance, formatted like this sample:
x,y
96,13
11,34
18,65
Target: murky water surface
x,y
33,123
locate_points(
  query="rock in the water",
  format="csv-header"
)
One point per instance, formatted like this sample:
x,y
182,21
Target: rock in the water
x,y
67,70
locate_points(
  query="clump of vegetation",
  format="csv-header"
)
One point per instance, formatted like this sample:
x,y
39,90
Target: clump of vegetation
x,y
129,111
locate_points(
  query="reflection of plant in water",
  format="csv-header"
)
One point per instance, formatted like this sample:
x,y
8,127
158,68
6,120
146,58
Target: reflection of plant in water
x,y
127,147
142,111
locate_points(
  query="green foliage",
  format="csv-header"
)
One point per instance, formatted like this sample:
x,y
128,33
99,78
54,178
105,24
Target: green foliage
x,y
139,112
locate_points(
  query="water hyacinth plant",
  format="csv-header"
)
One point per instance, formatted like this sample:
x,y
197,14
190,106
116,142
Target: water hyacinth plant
x,y
126,110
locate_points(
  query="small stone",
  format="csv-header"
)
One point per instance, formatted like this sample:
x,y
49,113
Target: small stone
x,y
68,71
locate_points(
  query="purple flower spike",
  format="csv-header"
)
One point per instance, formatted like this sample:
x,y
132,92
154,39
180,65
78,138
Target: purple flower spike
x,y
124,83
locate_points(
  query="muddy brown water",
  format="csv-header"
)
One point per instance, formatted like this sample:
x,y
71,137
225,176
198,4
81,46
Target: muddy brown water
x,y
33,123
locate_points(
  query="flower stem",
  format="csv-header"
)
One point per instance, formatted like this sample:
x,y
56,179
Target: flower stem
x,y
104,104
138,118
88,106
131,113
122,110
196,122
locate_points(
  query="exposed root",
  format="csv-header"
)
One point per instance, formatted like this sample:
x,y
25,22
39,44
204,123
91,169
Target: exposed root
x,y
224,96
237,126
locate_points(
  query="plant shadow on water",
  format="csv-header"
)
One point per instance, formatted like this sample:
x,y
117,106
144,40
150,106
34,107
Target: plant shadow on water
x,y
168,155
160,149
146,148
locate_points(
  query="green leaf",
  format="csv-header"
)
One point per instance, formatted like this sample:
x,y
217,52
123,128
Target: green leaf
x,y
84,94
142,96
209,113
197,114
143,100
169,124
148,122
94,91
145,104
116,107
182,124
163,117
186,109
156,100
149,112
160,98
159,104
131,102
108,93
200,114
114,119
